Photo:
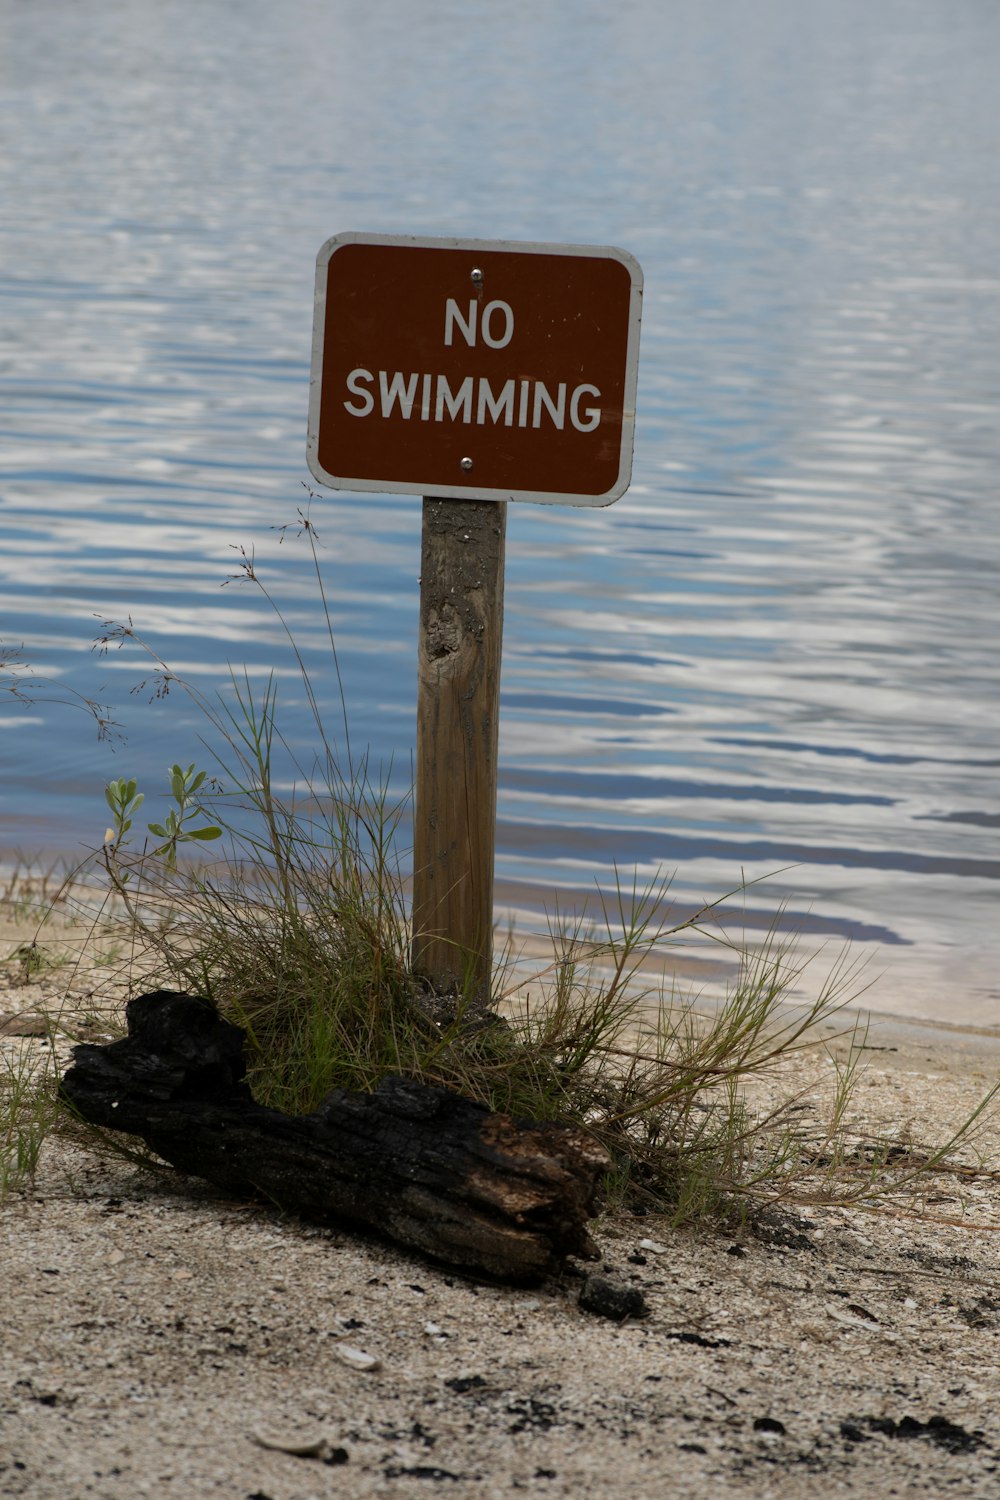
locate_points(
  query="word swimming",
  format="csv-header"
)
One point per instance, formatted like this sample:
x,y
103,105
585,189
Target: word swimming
x,y
430,398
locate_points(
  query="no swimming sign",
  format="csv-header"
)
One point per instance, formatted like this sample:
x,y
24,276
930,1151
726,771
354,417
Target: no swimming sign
x,y
474,369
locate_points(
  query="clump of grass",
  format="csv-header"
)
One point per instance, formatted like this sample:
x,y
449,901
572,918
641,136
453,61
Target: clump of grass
x,y
312,960
28,1113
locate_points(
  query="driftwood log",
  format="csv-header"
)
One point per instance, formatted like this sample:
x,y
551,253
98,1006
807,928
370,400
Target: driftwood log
x,y
423,1166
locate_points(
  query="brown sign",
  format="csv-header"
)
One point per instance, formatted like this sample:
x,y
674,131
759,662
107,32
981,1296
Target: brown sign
x,y
474,369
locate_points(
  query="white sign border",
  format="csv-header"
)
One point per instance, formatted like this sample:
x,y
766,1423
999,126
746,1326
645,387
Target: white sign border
x,y
469,492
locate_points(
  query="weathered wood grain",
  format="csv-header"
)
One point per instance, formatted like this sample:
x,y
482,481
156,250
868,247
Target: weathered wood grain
x,y
461,629
423,1166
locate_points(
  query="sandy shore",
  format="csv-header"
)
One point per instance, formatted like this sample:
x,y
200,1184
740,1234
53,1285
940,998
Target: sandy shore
x,y
157,1335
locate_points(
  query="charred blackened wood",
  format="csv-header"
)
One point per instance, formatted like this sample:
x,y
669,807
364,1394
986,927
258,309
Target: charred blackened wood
x,y
424,1166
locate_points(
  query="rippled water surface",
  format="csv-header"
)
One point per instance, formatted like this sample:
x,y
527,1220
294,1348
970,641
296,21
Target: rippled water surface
x,y
778,652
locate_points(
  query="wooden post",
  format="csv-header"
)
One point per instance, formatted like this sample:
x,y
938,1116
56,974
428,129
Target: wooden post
x,y
458,700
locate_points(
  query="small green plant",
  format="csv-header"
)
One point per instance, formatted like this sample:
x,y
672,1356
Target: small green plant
x,y
124,800
184,786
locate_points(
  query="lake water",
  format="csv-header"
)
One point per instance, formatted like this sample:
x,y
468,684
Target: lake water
x,y
778,652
